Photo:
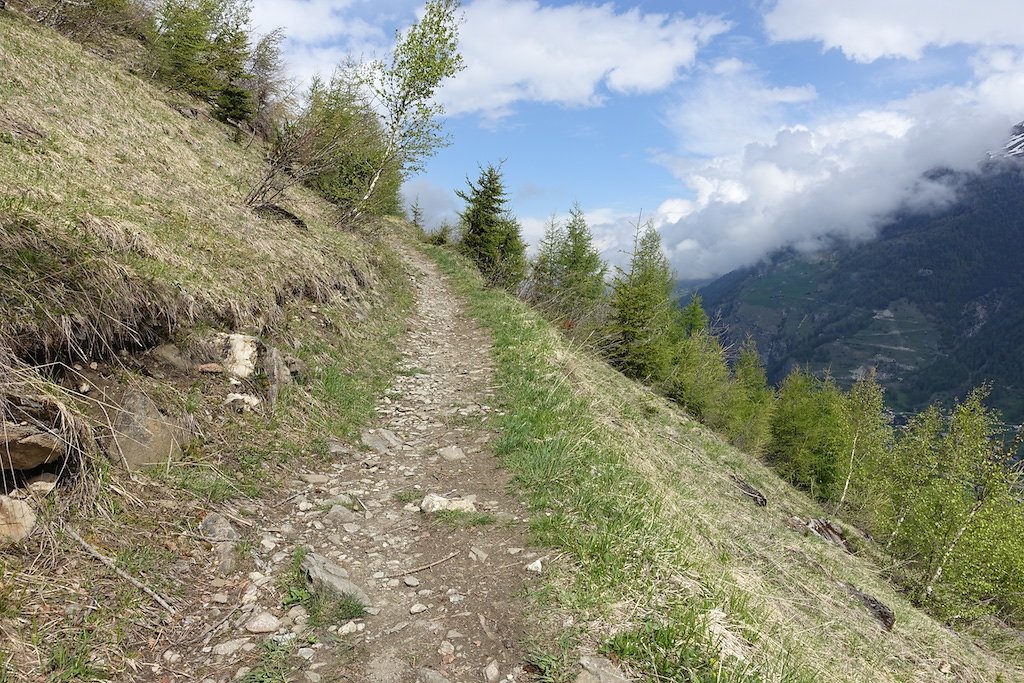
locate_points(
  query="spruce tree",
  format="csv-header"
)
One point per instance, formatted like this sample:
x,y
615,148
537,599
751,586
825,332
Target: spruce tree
x,y
693,319
567,277
490,234
642,311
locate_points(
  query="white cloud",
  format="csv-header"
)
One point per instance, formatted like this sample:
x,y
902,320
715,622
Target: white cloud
x,y
439,204
840,176
730,104
519,50
323,34
866,30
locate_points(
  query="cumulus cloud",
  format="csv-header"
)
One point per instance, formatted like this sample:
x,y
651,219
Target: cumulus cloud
x,y
839,176
323,34
867,30
729,103
519,50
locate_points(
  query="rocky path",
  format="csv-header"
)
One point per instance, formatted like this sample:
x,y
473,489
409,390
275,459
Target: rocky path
x,y
417,517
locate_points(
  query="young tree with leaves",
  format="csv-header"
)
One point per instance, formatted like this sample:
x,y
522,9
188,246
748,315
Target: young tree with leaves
x,y
403,89
809,433
642,310
869,433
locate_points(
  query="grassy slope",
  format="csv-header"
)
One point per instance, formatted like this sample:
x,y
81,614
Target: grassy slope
x,y
133,212
666,564
122,225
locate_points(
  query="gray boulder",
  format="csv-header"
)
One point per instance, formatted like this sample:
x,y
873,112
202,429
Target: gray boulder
x,y
326,575
141,435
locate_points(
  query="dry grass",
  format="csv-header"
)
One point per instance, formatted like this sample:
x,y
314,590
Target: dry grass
x,y
122,224
122,221
785,584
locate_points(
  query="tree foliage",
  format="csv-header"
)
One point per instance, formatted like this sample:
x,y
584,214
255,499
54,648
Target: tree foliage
x,y
641,315
567,278
201,47
403,88
332,144
490,233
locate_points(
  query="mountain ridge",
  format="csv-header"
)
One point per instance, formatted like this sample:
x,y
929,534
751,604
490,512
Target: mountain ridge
x,y
926,302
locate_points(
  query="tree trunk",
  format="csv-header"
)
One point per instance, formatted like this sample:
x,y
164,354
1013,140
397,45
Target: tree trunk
x,y
357,209
896,530
952,546
849,473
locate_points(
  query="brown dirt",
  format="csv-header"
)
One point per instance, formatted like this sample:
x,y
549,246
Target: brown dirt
x,y
471,579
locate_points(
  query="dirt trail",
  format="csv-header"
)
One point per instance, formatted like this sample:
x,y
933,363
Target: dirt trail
x,y
440,408
445,589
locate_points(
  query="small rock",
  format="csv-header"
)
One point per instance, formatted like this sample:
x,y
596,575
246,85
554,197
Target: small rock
x,y
264,622
425,675
16,520
170,355
350,528
452,453
25,447
446,649
433,502
210,368
478,554
418,608
306,653
171,657
411,581
42,484
229,647
315,478
242,403
216,527
313,677
340,515
325,574
220,598
381,440
240,353
492,673
599,670
348,628
535,566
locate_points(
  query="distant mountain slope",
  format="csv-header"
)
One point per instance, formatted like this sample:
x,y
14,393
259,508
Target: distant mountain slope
x,y
936,302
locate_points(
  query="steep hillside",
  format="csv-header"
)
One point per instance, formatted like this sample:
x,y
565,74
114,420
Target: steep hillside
x,y
240,448
934,302
147,316
667,559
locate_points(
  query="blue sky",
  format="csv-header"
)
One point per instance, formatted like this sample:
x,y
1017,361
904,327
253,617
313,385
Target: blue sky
x,y
736,127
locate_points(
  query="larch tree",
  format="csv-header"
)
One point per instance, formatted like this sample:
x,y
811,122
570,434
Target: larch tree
x,y
642,310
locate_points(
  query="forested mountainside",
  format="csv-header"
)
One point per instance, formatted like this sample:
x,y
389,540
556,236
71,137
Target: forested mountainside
x,y
934,303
